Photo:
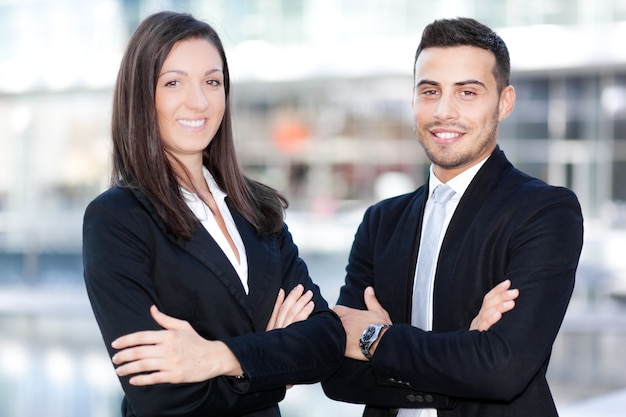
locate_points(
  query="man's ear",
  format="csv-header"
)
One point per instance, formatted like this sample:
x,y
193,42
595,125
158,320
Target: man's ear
x,y
507,102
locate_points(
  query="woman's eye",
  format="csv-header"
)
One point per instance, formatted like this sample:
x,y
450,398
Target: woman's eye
x,y
214,83
172,83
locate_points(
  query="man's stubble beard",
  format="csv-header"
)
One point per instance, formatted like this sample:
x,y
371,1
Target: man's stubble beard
x,y
445,156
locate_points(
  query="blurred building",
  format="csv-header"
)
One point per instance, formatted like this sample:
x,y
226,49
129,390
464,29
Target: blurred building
x,y
322,98
322,92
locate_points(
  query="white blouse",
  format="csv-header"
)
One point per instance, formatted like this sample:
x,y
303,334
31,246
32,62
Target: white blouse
x,y
203,213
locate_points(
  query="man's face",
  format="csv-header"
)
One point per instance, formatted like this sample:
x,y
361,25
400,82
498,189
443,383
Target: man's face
x,y
457,107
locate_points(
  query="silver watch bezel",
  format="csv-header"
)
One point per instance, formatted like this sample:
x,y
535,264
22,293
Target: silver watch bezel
x,y
368,337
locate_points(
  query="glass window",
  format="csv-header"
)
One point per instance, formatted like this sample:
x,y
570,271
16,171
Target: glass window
x,y
532,130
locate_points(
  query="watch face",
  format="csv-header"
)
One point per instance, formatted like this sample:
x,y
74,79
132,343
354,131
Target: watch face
x,y
369,332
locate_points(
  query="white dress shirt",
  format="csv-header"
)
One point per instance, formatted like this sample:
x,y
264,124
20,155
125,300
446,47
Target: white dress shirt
x,y
203,213
458,184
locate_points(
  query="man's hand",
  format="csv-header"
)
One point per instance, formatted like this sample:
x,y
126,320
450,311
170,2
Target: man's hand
x,y
495,303
175,355
356,321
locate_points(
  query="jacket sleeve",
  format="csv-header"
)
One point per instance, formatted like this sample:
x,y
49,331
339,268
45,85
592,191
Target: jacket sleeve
x,y
302,353
117,261
355,381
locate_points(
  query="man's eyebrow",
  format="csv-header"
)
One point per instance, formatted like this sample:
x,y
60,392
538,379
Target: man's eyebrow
x,y
468,82
426,82
458,83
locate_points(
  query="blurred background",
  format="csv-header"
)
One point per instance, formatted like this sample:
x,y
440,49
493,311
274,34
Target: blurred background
x,y
322,92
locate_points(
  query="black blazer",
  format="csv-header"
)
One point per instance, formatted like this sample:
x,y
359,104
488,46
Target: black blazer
x,y
131,263
507,225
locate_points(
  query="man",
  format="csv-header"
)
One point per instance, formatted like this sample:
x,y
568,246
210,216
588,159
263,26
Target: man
x,y
499,223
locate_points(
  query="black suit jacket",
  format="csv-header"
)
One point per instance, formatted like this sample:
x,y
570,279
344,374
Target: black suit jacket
x,y
131,263
507,225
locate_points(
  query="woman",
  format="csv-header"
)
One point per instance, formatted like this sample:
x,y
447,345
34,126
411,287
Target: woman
x,y
182,232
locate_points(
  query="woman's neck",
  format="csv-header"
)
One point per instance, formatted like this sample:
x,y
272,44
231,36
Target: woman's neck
x,y
190,174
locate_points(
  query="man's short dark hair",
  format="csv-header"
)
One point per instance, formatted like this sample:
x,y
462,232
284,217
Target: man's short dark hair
x,y
468,32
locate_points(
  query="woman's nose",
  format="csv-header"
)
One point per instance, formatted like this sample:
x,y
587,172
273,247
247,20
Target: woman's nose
x,y
197,99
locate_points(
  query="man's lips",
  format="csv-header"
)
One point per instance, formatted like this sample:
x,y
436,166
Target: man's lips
x,y
445,136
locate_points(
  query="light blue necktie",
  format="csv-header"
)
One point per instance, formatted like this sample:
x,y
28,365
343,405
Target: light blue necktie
x,y
427,259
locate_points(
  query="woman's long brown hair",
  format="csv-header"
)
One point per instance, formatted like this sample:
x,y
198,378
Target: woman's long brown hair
x,y
139,160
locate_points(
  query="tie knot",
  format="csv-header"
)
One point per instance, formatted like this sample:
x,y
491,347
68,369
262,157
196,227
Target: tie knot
x,y
443,193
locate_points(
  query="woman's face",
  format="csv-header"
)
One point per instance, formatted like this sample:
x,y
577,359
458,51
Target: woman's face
x,y
190,98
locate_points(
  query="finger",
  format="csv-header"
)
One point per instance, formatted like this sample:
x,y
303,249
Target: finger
x,y
506,284
305,312
372,304
498,295
502,301
167,322
496,291
506,306
341,310
148,337
131,368
279,301
154,378
493,315
299,309
285,308
145,366
487,317
135,354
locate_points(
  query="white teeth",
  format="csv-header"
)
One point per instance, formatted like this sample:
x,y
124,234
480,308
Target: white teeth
x,y
447,135
191,123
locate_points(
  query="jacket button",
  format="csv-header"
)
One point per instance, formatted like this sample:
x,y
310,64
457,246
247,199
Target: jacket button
x,y
410,397
428,398
419,398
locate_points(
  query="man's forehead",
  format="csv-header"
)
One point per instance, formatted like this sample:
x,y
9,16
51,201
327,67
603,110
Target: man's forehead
x,y
456,64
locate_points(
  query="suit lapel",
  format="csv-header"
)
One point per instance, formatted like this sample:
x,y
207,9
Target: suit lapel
x,y
412,234
475,197
206,250
263,270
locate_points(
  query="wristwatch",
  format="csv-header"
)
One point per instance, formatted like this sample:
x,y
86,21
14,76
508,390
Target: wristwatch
x,y
368,338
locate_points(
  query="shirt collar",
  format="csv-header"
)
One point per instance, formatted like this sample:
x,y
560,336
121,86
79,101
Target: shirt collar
x,y
216,191
459,183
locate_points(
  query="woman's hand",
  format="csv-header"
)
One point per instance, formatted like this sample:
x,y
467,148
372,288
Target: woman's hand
x,y
495,303
175,355
297,306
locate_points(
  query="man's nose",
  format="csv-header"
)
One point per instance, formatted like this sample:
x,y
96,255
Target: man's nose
x,y
446,108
